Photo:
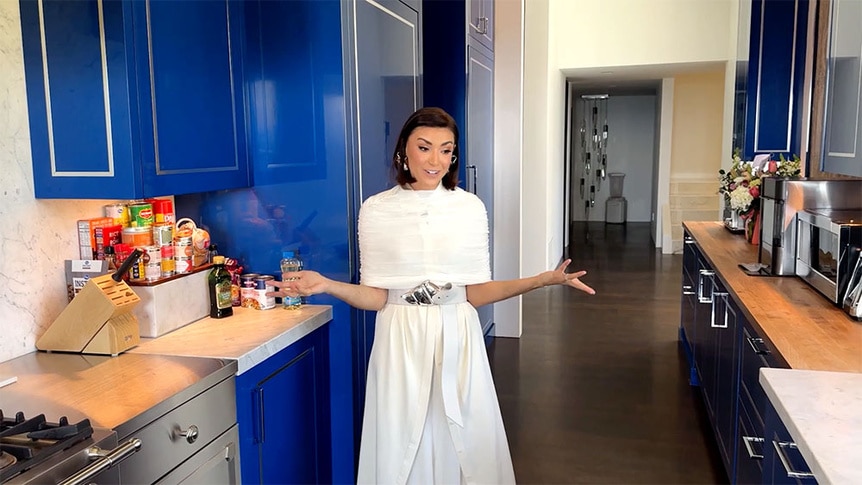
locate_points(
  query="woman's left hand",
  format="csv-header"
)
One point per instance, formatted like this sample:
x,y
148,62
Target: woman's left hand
x,y
560,277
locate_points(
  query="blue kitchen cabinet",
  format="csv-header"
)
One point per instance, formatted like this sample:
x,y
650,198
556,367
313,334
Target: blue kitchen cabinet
x,y
135,99
283,414
782,463
688,305
775,100
459,77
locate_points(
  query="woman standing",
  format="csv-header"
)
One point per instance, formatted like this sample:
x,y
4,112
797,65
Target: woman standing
x,y
431,410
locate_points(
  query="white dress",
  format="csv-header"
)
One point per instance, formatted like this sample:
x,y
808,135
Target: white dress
x,y
428,421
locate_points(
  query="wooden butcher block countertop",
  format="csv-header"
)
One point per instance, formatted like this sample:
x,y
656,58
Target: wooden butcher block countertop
x,y
809,332
249,336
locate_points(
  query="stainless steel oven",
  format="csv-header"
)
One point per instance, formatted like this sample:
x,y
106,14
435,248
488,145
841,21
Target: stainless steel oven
x,y
828,245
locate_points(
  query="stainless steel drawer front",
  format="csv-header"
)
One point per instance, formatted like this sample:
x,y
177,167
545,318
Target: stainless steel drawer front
x,y
173,438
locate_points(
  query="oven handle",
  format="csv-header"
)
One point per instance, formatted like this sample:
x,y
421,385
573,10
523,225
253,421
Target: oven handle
x,y
104,461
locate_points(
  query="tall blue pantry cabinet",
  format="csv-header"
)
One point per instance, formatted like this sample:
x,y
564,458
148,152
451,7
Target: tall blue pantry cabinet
x,y
459,77
134,99
323,113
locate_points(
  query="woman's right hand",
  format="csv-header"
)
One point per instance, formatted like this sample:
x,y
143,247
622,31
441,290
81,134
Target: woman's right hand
x,y
301,283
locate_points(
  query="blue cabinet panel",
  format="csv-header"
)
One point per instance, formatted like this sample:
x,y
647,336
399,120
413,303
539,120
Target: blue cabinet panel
x,y
282,410
776,77
134,99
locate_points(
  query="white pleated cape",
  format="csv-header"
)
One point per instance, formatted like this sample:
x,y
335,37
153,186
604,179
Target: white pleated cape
x,y
406,237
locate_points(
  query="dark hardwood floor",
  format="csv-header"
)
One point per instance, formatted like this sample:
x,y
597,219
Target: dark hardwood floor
x,y
596,389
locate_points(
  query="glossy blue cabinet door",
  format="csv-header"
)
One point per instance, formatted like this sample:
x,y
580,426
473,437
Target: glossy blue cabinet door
x,y
776,77
190,82
282,408
134,99
82,123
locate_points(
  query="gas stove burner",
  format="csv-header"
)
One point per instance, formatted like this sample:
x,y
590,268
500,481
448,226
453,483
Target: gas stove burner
x,y
6,460
26,442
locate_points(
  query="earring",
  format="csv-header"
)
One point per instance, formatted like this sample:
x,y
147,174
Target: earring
x,y
398,160
454,159
405,166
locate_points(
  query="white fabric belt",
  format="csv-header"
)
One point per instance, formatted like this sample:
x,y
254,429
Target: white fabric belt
x,y
449,377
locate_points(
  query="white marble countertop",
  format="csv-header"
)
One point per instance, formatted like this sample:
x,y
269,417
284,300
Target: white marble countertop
x,y
248,337
823,413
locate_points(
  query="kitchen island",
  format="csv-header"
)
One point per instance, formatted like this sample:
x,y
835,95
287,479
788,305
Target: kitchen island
x,y
749,341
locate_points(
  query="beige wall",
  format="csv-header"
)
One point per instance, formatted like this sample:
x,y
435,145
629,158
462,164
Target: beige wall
x,y
593,33
698,116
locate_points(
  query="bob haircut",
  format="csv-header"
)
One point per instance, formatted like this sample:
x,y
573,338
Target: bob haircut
x,y
434,118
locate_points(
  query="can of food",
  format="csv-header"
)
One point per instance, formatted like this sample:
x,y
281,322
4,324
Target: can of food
x,y
163,234
152,255
141,214
182,265
246,290
263,284
163,211
119,213
138,237
169,265
183,247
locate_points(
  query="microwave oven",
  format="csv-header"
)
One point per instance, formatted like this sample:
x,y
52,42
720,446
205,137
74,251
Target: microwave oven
x,y
828,248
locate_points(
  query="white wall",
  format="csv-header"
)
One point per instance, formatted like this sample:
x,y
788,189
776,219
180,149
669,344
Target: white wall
x,y
631,138
508,109
36,236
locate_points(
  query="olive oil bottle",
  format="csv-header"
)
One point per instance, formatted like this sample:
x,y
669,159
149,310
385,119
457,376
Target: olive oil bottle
x,y
219,288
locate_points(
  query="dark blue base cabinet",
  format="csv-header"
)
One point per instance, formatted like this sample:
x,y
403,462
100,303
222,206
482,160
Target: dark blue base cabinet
x,y
283,409
725,354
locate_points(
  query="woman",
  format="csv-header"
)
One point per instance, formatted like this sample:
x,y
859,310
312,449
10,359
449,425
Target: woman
x,y
431,410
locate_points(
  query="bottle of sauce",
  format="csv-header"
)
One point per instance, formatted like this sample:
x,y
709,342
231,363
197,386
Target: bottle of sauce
x,y
218,281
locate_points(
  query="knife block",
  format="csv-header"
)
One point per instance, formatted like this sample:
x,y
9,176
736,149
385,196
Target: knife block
x,y
97,321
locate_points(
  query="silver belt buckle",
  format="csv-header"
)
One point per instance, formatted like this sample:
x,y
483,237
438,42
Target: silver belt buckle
x,y
424,294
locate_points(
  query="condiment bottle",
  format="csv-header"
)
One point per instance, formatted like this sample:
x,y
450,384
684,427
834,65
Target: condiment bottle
x,y
218,281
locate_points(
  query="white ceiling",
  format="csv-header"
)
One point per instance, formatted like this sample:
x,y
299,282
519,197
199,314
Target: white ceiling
x,y
621,80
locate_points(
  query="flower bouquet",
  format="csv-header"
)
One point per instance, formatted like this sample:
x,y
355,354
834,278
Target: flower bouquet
x,y
741,187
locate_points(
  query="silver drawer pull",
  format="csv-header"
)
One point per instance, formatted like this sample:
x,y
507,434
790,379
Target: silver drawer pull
x,y
779,448
687,290
191,434
747,440
104,461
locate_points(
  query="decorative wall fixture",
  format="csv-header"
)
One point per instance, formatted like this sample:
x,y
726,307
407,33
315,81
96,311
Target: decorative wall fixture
x,y
591,164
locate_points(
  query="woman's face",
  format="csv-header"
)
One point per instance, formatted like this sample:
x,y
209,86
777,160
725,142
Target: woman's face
x,y
429,155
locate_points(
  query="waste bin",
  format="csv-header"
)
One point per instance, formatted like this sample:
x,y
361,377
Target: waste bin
x,y
617,179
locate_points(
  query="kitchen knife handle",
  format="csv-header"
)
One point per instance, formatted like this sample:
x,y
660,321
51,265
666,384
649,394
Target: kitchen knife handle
x,y
132,259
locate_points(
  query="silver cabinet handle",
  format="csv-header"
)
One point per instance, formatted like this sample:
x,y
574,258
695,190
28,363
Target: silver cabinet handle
x,y
191,434
688,240
104,461
687,290
701,274
723,296
747,440
753,342
471,179
779,448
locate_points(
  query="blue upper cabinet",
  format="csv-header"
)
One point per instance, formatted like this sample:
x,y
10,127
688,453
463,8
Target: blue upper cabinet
x,y
775,100
135,99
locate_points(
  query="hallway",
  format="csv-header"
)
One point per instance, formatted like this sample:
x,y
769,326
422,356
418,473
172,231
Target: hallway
x,y
596,389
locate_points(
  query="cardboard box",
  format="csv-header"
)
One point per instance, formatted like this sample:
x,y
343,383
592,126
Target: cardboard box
x,y
79,272
169,304
87,235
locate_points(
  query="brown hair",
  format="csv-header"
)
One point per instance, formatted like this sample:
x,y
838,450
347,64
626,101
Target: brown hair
x,y
434,118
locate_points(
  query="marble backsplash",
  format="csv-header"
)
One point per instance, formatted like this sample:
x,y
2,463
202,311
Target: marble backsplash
x,y
36,236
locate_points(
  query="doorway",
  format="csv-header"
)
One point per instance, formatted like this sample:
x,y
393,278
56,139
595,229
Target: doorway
x,y
632,115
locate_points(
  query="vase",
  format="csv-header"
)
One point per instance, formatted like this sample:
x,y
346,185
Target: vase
x,y
752,227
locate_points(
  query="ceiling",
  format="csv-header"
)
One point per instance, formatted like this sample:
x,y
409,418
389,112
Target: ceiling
x,y
632,80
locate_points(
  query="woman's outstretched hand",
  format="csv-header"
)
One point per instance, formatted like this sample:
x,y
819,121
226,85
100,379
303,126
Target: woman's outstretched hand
x,y
301,283
560,277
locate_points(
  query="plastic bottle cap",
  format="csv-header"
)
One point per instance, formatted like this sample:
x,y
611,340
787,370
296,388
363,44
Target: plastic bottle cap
x,y
218,260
